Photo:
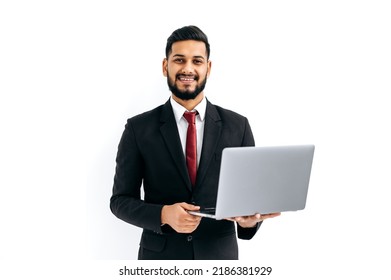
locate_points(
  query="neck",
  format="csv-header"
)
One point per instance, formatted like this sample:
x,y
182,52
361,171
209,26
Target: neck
x,y
189,104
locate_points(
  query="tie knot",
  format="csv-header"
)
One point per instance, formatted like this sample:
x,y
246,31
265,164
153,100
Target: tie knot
x,y
190,117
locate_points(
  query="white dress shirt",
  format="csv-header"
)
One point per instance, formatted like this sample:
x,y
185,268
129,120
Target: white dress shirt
x,y
182,124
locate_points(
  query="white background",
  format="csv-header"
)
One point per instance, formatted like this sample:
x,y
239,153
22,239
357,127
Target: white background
x,y
72,72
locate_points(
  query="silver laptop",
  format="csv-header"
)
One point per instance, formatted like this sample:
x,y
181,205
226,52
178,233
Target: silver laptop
x,y
262,180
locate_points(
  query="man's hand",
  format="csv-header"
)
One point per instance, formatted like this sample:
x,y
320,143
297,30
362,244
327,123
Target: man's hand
x,y
251,221
176,216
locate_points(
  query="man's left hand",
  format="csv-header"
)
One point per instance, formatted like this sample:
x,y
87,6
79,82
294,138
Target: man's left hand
x,y
251,221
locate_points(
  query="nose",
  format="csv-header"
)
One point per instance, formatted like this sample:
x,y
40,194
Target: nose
x,y
188,68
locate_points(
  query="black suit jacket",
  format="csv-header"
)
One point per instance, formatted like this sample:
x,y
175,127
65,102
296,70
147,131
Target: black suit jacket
x,y
150,154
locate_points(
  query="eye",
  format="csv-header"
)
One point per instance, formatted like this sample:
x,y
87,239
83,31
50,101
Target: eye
x,y
178,60
198,61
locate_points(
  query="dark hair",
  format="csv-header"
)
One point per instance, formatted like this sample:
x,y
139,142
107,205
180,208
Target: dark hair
x,y
190,32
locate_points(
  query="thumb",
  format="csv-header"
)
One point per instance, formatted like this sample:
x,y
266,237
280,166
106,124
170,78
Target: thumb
x,y
188,206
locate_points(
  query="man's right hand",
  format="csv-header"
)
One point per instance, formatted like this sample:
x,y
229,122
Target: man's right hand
x,y
176,216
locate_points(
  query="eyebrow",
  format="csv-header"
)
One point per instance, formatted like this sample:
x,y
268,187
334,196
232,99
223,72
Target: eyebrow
x,y
181,55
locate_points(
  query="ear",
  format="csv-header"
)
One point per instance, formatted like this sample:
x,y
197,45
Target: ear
x,y
209,68
164,67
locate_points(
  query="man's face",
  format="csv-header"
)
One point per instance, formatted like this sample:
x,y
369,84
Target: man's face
x,y
187,69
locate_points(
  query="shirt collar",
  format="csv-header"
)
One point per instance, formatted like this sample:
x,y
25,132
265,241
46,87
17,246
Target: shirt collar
x,y
179,110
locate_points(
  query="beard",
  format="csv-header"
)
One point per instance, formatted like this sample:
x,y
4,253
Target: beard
x,y
186,94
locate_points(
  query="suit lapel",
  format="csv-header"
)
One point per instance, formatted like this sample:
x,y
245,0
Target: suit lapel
x,y
212,133
169,131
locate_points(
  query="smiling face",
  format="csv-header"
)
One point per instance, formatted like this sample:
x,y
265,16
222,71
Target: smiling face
x,y
187,69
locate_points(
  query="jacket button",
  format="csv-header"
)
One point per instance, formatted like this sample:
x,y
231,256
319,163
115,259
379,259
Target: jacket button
x,y
189,238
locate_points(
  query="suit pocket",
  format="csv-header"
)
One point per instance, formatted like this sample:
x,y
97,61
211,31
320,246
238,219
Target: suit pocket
x,y
153,242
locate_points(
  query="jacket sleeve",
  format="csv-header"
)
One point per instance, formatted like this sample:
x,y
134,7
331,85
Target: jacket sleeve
x,y
247,233
248,138
126,202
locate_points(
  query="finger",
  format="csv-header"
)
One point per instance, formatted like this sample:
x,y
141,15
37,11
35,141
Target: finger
x,y
191,222
244,218
187,228
236,219
257,216
271,215
188,206
190,225
190,216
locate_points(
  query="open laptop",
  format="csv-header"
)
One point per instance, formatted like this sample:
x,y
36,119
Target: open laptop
x,y
262,180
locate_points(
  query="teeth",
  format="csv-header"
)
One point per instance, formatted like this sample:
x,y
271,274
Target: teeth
x,y
186,79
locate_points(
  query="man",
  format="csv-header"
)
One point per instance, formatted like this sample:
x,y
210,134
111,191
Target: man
x,y
153,153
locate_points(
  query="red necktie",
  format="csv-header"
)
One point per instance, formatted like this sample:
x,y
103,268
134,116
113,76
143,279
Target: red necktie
x,y
191,146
